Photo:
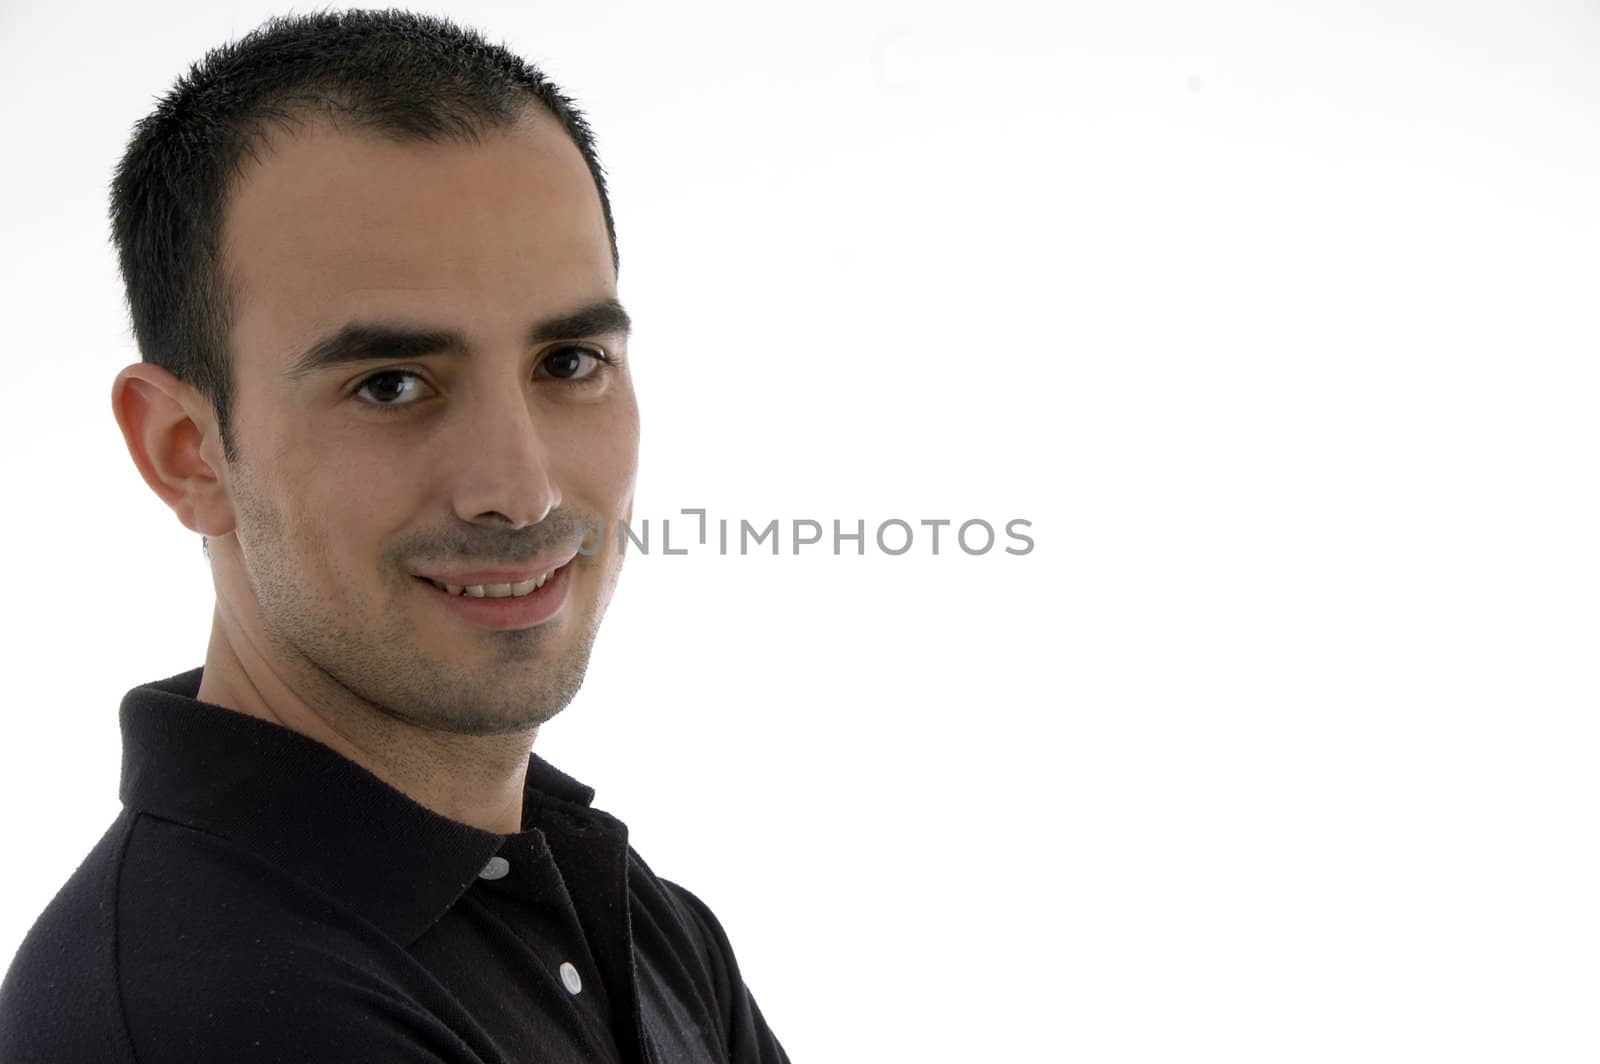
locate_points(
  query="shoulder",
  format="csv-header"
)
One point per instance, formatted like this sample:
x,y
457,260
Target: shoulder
x,y
172,944
674,918
686,913
711,943
697,915
744,1030
226,956
59,1000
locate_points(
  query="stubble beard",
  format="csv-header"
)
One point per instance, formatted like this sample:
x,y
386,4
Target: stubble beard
x,y
383,663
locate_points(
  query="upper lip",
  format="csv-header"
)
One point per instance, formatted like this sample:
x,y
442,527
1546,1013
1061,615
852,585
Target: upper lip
x,y
475,577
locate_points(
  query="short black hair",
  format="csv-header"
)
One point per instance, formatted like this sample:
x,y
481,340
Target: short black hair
x,y
406,76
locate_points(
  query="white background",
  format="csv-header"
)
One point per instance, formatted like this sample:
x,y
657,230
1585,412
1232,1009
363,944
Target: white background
x,y
1277,320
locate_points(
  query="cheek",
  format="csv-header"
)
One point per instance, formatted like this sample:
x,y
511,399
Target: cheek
x,y
597,457
337,492
613,458
339,509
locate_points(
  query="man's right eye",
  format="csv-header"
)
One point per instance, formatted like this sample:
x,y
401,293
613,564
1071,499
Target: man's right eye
x,y
391,388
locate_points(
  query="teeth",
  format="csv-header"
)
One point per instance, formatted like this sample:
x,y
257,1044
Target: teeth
x,y
495,590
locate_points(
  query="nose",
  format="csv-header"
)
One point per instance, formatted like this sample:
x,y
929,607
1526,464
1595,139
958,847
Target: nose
x,y
505,463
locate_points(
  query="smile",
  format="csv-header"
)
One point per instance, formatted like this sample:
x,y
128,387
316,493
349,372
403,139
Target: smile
x,y
502,605
527,587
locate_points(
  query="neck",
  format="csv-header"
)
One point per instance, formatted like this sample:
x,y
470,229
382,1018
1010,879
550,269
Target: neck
x,y
475,780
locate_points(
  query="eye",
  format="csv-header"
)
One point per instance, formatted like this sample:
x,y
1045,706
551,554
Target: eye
x,y
391,388
575,363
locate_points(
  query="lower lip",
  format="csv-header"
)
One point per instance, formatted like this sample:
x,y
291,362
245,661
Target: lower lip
x,y
502,614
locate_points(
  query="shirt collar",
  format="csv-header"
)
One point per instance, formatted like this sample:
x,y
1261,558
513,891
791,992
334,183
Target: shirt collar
x,y
308,809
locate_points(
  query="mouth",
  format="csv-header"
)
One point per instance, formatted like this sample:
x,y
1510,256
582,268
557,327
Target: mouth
x,y
518,590
495,583
503,604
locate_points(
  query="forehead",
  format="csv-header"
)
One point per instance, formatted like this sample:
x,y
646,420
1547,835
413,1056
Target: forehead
x,y
330,223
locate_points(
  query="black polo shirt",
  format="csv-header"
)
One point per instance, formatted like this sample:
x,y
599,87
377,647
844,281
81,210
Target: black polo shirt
x,y
262,898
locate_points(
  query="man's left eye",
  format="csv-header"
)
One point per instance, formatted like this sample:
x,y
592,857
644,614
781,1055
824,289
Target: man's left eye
x,y
574,363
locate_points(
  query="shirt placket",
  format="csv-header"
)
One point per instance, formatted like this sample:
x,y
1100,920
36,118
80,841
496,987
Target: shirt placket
x,y
592,855
524,871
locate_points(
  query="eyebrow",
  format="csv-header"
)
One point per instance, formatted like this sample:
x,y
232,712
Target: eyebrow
x,y
369,341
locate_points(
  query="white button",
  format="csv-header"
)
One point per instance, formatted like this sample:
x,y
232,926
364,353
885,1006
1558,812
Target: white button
x,y
569,975
495,869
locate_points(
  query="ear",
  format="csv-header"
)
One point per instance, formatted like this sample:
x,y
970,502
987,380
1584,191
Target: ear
x,y
171,432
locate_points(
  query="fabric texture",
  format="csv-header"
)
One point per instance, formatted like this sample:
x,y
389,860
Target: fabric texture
x,y
261,898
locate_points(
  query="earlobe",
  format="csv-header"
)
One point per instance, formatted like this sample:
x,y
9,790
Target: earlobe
x,y
171,435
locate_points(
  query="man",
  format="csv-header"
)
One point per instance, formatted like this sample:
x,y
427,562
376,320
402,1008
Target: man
x,y
372,272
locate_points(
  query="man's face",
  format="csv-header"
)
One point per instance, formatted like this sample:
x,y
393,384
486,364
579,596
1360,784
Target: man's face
x,y
358,477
